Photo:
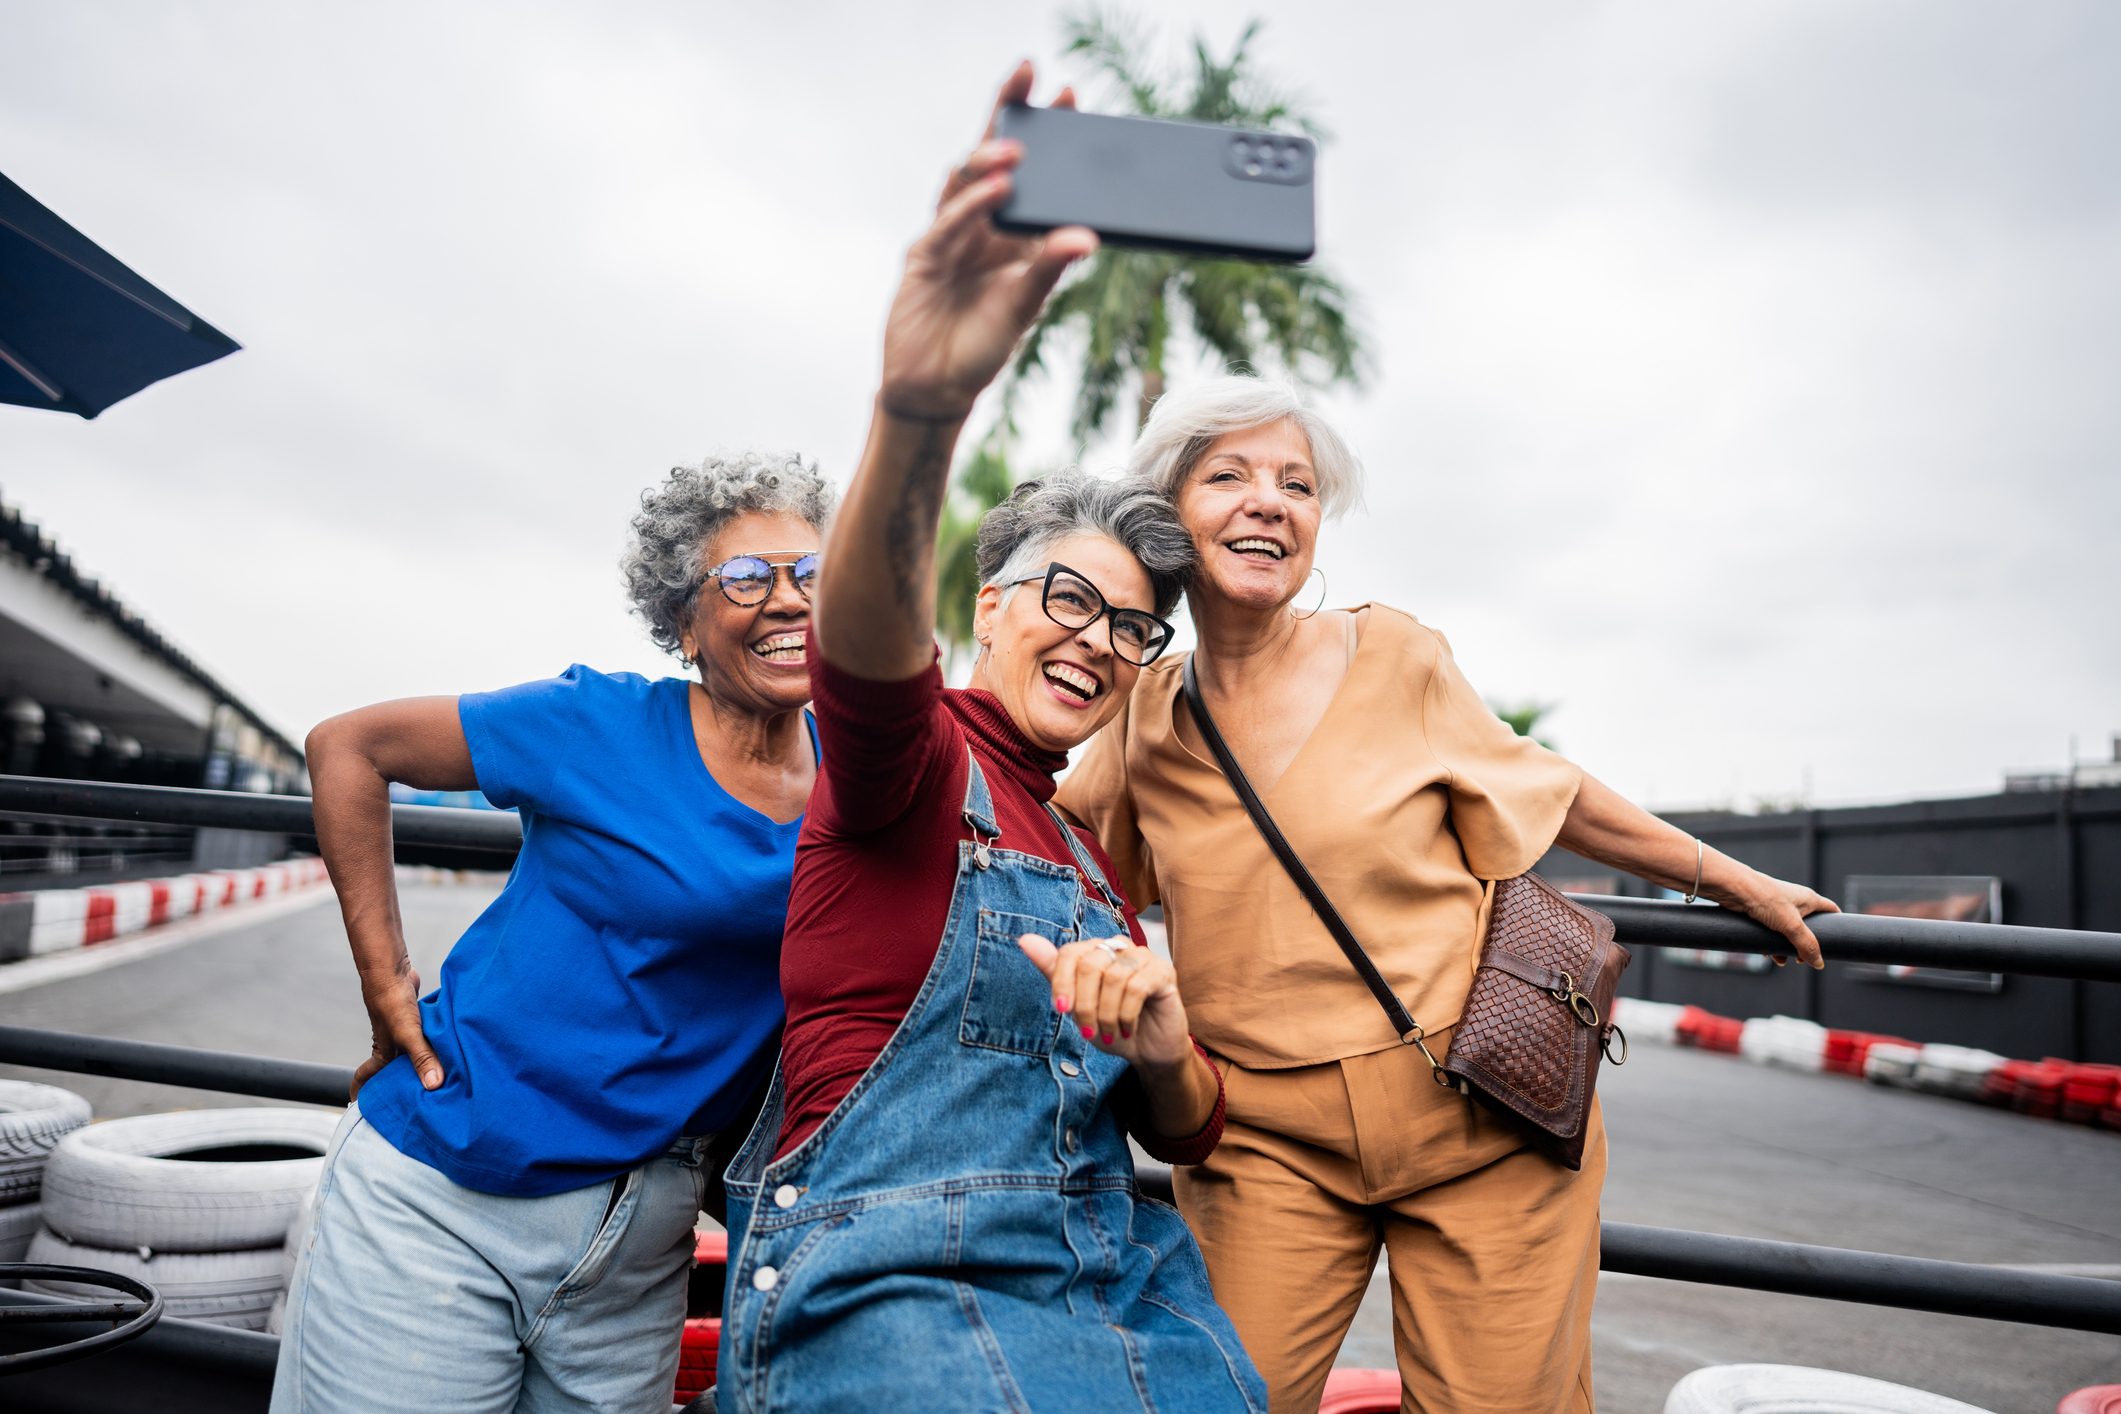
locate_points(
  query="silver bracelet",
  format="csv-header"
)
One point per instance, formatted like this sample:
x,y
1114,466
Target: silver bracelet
x,y
1695,892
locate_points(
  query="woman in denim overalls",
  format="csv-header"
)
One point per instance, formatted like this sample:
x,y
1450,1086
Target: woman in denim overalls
x,y
958,1227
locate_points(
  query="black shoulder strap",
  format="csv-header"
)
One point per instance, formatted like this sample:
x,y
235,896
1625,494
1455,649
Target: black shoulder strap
x,y
1402,1022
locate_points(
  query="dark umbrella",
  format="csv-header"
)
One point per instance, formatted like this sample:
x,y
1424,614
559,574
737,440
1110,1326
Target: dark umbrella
x,y
79,331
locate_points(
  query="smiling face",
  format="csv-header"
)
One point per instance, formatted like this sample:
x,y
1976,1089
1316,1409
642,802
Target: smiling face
x,y
1059,685
1251,506
751,658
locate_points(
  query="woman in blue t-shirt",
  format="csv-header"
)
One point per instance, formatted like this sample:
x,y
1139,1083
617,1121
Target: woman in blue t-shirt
x,y
506,1216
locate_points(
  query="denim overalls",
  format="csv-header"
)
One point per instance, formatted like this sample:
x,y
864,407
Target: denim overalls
x,y
962,1233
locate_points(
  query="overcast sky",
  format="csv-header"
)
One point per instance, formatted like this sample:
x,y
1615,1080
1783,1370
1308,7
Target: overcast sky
x,y
1746,374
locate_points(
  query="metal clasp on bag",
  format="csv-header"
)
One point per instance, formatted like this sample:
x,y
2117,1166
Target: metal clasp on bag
x,y
1418,1037
1582,1007
1605,1044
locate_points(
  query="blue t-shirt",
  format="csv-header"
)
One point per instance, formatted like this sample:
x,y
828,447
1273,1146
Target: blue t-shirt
x,y
624,989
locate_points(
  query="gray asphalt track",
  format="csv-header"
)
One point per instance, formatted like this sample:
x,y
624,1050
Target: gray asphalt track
x,y
1698,1141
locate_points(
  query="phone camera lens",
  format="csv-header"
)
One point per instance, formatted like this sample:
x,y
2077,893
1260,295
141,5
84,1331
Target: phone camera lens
x,y
1252,169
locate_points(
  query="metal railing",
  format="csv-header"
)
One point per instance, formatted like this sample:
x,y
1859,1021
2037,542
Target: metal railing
x,y
1977,947
1873,1278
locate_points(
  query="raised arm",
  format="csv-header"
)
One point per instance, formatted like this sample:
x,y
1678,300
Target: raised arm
x,y
353,758
968,294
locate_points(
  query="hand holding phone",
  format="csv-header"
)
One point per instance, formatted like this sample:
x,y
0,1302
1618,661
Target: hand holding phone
x,y
970,290
1162,185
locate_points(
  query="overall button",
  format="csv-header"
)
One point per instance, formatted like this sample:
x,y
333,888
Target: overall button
x,y
1072,1141
1070,1069
765,1278
785,1195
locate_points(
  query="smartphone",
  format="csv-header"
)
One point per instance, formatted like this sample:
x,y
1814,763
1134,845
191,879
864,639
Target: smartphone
x,y
1163,185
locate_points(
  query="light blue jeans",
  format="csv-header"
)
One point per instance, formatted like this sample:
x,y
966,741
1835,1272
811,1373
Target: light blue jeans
x,y
413,1294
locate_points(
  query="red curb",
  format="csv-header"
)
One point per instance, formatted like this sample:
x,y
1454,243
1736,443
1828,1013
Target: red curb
x,y
101,925
2083,1093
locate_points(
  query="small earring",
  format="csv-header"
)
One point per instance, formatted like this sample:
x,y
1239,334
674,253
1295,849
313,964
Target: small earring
x,y
1321,596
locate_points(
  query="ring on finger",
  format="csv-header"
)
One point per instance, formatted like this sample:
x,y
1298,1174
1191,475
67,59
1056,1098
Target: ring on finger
x,y
1118,947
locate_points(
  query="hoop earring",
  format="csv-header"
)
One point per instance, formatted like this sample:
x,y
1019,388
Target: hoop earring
x,y
1321,596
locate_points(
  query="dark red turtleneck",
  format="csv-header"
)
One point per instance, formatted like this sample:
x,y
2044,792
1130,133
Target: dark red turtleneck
x,y
876,865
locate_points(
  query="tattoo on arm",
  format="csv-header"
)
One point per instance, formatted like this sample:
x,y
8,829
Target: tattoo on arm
x,y
909,535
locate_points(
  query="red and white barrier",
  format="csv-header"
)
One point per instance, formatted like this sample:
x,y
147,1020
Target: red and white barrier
x,y
56,920
2085,1094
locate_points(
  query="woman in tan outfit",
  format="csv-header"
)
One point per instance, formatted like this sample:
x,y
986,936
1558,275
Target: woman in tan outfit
x,y
1404,795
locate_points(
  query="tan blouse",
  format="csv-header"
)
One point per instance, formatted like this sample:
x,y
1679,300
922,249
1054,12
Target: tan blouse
x,y
1407,795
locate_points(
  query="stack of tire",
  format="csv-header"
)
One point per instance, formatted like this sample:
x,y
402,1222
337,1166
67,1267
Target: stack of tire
x,y
1787,1041
1848,1052
1961,1072
33,1119
1708,1031
2091,1094
2058,1089
1645,1020
198,1203
1892,1063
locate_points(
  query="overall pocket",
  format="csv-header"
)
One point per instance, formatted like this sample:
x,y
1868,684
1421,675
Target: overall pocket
x,y
1008,1002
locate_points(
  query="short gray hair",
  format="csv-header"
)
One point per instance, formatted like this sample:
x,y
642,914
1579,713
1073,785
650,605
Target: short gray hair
x,y
664,563
1186,422
1017,537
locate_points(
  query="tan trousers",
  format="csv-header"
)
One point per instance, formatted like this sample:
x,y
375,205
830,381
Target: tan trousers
x,y
1493,1248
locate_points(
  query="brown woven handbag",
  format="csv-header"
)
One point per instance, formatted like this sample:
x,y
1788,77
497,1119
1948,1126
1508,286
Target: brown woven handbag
x,y
1539,1014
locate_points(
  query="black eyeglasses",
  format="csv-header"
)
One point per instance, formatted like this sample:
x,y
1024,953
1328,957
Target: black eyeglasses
x,y
1074,602
747,580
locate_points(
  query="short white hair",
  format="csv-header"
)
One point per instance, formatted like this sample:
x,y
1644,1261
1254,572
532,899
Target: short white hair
x,y
1186,422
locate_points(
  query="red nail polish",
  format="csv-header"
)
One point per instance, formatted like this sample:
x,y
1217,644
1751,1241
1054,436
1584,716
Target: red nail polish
x,y
1088,1033
1061,1004
1106,1038
1125,1034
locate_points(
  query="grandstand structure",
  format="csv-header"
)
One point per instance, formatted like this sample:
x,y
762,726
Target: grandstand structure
x,y
90,690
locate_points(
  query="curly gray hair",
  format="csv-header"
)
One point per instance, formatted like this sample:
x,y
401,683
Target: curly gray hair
x,y
1017,537
664,563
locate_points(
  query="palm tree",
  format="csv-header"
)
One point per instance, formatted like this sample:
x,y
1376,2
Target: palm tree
x,y
1524,719
1126,306
981,484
